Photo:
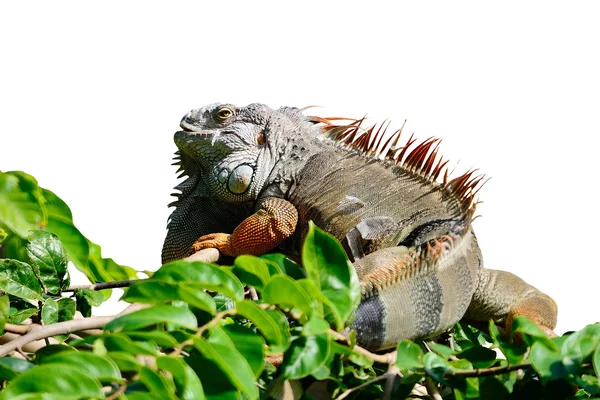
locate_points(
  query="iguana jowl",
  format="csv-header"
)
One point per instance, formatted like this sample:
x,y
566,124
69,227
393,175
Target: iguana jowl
x,y
257,176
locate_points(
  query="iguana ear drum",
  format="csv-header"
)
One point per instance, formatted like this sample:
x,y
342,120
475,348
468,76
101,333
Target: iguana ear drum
x,y
240,179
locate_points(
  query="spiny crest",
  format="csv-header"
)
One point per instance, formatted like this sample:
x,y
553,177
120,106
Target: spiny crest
x,y
422,158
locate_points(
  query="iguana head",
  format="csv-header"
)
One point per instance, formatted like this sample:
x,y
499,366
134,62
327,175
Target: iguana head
x,y
232,152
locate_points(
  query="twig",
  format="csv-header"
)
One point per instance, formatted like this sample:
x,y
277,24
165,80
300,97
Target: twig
x,y
432,390
392,372
75,325
120,390
347,392
55,329
104,285
387,358
487,371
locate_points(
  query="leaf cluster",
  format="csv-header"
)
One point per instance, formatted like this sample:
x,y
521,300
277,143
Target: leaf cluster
x,y
259,328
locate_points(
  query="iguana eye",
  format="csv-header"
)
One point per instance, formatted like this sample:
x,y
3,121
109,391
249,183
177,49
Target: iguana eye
x,y
223,113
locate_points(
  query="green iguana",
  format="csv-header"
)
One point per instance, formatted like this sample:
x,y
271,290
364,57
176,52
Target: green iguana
x,y
257,176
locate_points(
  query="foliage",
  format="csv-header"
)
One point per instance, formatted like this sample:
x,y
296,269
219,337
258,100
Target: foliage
x,y
217,332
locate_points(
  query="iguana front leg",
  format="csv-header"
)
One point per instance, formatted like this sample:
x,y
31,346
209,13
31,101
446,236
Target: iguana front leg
x,y
274,221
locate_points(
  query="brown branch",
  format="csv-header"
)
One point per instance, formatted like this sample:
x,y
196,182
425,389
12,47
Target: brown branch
x,y
75,325
432,389
387,358
348,392
104,285
487,371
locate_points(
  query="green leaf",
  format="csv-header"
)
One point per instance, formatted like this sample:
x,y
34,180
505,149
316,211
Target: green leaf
x,y
579,346
531,332
44,396
441,349
273,330
409,355
201,275
3,235
126,362
436,366
50,312
54,379
284,291
49,260
11,367
66,309
21,203
305,356
99,367
17,278
480,357
187,383
279,263
315,326
86,299
4,311
152,316
252,271
19,316
159,292
116,342
547,362
223,353
596,361
249,344
158,385
590,383
157,337
328,267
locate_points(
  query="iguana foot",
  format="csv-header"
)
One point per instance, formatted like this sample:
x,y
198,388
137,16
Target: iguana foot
x,y
219,241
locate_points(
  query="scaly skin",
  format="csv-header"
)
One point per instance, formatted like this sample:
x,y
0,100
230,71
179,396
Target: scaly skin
x,y
256,176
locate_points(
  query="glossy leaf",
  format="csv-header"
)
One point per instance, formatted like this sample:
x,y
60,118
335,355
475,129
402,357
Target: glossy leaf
x,y
3,235
122,343
275,332
201,275
250,345
187,383
596,361
158,385
284,291
152,316
328,267
436,366
45,379
4,311
50,312
125,361
99,367
21,203
11,367
547,361
86,299
17,278
223,353
409,355
155,291
305,356
531,332
480,357
283,265
157,337
19,316
251,270
49,260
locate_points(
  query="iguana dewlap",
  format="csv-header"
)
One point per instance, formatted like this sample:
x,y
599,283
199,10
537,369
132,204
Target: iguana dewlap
x,y
257,176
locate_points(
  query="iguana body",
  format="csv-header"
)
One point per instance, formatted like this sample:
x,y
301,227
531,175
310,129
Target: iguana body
x,y
257,176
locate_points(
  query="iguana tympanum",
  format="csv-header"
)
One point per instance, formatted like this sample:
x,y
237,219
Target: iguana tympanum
x,y
257,176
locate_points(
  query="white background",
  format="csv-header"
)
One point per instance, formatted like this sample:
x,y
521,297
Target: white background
x,y
91,95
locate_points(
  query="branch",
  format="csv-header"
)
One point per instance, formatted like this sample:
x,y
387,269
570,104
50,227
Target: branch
x,y
75,325
387,358
104,285
487,371
432,390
